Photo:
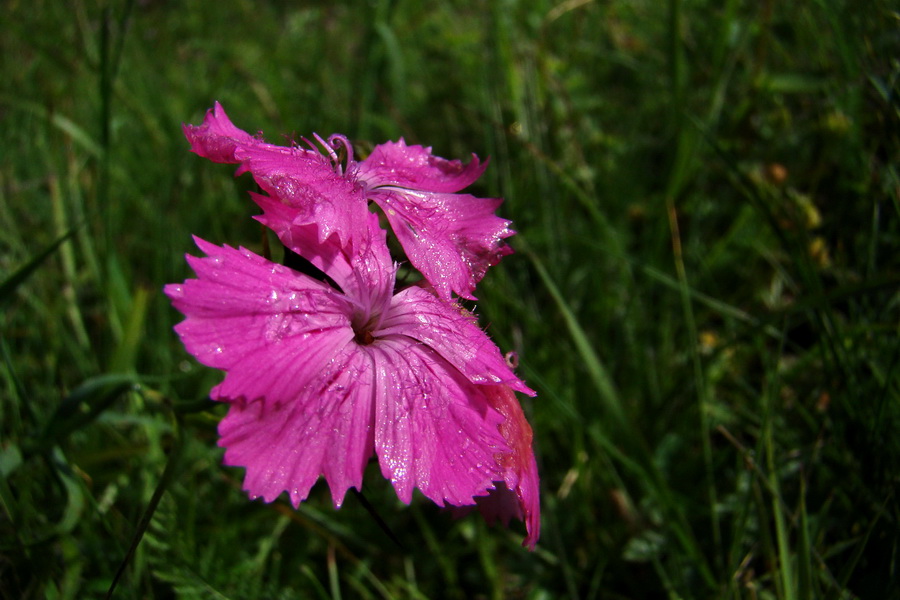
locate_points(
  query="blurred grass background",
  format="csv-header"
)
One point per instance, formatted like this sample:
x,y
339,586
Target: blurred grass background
x,y
705,291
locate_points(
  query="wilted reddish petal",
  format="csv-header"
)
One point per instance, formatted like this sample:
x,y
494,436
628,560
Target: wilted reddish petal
x,y
520,468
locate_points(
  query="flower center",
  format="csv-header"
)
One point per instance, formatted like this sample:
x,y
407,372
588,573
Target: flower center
x,y
364,338
363,330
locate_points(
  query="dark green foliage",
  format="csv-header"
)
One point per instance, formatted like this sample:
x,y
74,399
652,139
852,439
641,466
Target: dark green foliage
x,y
705,291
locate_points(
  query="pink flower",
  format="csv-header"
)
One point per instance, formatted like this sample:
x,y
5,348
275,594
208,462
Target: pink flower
x,y
451,238
318,378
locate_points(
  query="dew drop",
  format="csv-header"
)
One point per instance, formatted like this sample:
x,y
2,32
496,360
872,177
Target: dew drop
x,y
277,326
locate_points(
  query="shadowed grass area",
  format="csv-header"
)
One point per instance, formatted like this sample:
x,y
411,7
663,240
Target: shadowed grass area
x,y
704,294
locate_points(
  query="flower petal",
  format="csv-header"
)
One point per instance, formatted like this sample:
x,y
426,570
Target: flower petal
x,y
325,428
453,333
415,167
452,239
242,310
434,429
217,138
307,182
300,391
365,271
520,476
302,179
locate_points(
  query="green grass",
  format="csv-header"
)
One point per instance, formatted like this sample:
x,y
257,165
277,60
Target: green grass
x,y
705,293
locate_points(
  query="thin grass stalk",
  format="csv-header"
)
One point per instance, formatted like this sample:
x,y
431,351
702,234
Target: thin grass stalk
x,y
15,402
839,590
110,59
125,358
334,580
105,91
168,475
550,511
703,399
784,578
683,165
594,366
785,575
671,592
804,549
488,560
319,589
67,258
434,549
409,571
88,251
735,562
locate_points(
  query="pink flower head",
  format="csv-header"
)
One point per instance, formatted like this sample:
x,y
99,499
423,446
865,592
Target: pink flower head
x,y
451,238
318,378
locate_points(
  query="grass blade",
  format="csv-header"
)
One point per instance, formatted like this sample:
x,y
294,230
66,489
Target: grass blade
x,y
11,283
596,370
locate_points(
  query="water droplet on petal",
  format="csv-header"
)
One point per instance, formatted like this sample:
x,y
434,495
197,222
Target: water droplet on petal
x,y
277,326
